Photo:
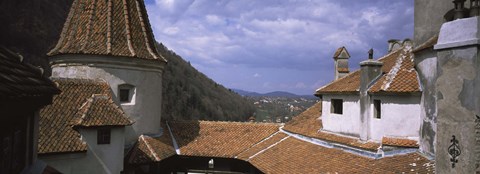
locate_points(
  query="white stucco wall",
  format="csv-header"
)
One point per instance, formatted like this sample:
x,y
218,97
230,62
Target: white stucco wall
x,y
347,123
146,111
103,158
400,117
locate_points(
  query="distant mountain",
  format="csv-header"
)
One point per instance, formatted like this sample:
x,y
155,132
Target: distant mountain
x,y
272,94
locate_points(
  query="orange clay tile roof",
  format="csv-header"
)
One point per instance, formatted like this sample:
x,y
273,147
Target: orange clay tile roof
x,y
20,79
297,156
108,27
100,110
339,50
347,84
399,76
399,142
402,77
309,124
56,134
219,139
257,148
152,149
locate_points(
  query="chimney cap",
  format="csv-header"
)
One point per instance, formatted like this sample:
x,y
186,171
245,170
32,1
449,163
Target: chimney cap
x,y
370,53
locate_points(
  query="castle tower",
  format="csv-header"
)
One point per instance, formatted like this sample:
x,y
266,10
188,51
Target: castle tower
x,y
341,57
112,40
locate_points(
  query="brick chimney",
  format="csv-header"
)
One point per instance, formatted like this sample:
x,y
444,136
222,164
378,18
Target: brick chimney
x,y
370,70
341,57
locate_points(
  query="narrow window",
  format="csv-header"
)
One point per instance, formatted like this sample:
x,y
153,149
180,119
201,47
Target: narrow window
x,y
337,106
103,136
377,109
126,93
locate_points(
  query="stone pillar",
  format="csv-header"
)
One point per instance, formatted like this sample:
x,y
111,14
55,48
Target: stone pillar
x,y
370,71
458,96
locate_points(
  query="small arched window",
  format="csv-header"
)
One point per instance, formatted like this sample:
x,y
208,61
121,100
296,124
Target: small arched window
x,y
126,94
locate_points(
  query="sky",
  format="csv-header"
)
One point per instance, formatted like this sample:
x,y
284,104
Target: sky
x,y
277,45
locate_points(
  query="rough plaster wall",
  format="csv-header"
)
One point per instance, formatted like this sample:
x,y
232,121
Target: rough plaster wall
x,y
111,154
100,159
426,66
429,18
457,85
400,117
146,112
349,122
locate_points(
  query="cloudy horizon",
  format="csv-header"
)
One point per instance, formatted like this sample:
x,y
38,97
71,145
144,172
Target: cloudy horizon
x,y
265,46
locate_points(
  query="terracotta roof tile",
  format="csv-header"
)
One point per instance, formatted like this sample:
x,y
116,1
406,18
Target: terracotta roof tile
x,y
399,76
56,135
219,139
100,110
19,79
347,84
303,157
309,124
339,50
399,142
108,27
257,148
152,149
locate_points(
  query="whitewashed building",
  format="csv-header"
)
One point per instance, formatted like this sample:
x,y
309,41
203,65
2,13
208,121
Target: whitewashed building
x,y
381,99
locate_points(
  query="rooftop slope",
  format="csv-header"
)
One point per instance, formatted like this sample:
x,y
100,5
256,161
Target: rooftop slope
x,y
297,156
399,76
219,139
269,150
108,27
56,120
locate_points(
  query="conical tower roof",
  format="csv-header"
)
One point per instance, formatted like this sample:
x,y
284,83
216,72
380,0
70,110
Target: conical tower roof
x,y
108,27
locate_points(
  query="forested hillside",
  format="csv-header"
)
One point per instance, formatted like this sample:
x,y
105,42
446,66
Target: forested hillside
x,y
189,94
32,28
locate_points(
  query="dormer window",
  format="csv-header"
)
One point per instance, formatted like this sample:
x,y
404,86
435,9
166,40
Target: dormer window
x,y
337,106
126,94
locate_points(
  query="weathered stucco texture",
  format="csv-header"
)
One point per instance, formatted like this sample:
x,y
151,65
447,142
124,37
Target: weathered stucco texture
x,y
103,158
426,63
457,91
400,117
429,18
347,123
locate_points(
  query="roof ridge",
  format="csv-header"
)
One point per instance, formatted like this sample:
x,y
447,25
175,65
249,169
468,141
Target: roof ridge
x,y
390,76
265,139
237,122
263,150
155,155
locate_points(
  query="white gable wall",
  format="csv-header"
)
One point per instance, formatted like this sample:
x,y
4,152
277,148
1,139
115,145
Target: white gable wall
x,y
103,158
347,123
400,117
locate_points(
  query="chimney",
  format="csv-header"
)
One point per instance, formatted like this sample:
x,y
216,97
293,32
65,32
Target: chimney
x,y
394,44
370,70
341,57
